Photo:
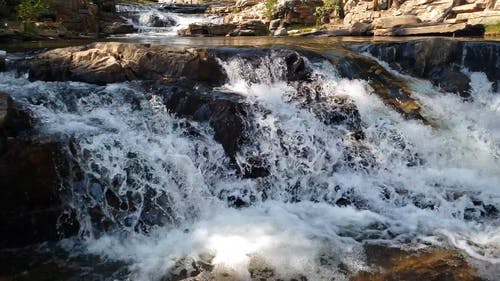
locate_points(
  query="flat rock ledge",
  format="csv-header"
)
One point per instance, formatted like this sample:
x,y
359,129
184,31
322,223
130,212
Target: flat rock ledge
x,y
102,63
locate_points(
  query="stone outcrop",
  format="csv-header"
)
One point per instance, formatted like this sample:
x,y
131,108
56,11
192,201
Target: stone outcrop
x,y
207,29
31,171
248,28
224,111
444,29
441,61
414,17
392,90
298,11
102,63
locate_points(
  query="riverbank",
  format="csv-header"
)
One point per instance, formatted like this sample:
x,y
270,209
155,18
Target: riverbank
x,y
257,18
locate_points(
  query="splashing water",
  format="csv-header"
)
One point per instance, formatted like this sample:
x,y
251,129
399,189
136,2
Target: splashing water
x,y
152,21
326,193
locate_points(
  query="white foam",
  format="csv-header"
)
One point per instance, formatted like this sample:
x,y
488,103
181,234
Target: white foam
x,y
421,184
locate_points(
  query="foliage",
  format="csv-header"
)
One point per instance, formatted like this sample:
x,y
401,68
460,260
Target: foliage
x,y
329,7
31,10
493,30
30,28
270,7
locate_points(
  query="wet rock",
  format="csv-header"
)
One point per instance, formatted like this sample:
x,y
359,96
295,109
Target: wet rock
x,y
154,20
483,57
431,264
3,54
393,90
31,172
260,270
224,111
438,60
102,63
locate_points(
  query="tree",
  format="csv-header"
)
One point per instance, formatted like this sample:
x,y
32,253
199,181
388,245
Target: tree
x,y
31,10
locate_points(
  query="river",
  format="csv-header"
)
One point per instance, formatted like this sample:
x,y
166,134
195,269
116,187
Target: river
x,y
324,196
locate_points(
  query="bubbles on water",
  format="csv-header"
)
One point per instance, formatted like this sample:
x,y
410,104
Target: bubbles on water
x,y
326,167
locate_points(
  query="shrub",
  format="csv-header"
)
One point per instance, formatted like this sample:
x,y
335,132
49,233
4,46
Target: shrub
x,y
329,7
31,10
270,8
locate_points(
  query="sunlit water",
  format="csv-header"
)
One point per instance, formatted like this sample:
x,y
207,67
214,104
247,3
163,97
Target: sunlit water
x,y
406,183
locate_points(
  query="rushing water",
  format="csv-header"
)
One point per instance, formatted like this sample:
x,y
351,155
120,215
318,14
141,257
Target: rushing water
x,y
152,21
326,192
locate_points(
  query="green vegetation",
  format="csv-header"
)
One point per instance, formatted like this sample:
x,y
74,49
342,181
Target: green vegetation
x,y
302,28
270,7
31,10
329,7
492,30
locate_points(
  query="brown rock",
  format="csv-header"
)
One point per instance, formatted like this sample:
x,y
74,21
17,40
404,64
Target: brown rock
x,y
119,28
251,28
389,22
207,29
360,28
461,29
437,59
102,63
31,170
468,8
429,265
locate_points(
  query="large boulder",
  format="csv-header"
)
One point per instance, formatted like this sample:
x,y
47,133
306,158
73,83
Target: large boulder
x,y
437,59
116,28
224,111
102,63
392,90
32,169
251,28
207,29
426,264
389,22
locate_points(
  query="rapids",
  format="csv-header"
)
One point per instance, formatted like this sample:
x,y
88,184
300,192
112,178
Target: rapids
x,y
152,21
156,191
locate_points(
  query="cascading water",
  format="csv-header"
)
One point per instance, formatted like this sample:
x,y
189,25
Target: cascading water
x,y
153,21
339,169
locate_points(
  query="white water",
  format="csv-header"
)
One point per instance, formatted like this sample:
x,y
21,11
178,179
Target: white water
x,y
415,191
144,17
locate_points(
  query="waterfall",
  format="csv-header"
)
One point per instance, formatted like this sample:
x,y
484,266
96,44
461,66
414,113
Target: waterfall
x,y
153,21
323,167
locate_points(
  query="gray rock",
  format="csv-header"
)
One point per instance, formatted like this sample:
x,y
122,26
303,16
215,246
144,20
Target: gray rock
x,y
274,24
281,32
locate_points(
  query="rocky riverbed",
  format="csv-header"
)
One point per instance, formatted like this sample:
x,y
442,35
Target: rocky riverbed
x,y
304,160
